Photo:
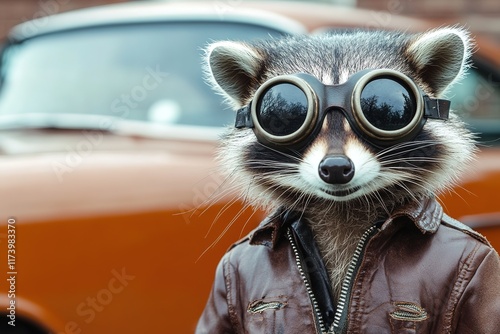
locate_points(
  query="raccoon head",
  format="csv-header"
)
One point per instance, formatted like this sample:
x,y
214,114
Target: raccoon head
x,y
338,167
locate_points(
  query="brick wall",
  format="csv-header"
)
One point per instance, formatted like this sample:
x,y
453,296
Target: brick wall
x,y
480,16
13,12
436,8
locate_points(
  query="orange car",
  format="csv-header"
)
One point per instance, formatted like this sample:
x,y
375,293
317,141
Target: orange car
x,y
113,216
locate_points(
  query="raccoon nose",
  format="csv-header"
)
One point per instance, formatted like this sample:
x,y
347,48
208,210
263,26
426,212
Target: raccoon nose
x,y
336,169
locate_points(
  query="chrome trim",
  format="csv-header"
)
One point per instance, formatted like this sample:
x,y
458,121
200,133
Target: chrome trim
x,y
150,12
115,125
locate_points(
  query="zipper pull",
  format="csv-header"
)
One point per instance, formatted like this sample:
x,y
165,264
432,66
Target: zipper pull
x,y
409,312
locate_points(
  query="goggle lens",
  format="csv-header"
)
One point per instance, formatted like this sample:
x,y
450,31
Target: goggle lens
x,y
388,104
282,109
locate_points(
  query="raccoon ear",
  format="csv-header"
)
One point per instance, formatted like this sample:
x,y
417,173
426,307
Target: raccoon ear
x,y
441,57
232,69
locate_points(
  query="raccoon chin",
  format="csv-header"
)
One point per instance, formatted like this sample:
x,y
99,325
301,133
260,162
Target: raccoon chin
x,y
340,194
379,189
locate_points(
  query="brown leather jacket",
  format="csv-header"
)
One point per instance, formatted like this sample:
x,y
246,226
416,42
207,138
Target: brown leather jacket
x,y
418,272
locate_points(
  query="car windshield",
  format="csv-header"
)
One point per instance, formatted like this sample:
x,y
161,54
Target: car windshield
x,y
140,72
476,98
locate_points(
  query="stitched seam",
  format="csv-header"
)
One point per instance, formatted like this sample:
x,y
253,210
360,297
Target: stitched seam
x,y
456,225
458,289
438,215
233,318
474,274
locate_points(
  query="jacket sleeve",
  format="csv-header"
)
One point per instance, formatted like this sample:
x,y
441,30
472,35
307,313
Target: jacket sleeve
x,y
216,318
479,306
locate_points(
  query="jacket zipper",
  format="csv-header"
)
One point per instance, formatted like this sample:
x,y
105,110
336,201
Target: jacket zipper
x,y
346,284
317,312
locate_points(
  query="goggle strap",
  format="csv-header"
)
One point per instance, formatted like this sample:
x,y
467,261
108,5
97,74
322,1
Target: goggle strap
x,y
244,117
436,108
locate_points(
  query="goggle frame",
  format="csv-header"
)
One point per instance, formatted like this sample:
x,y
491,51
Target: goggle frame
x,y
325,98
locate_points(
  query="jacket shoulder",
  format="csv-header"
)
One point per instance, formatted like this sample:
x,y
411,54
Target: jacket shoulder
x,y
455,224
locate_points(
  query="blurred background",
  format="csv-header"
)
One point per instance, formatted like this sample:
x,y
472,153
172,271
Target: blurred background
x,y
107,141
481,16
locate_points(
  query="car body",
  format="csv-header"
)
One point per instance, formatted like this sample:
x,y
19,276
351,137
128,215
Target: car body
x,y
118,213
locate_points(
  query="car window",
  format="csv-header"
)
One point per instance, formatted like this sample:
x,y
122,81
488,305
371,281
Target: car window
x,y
144,72
477,99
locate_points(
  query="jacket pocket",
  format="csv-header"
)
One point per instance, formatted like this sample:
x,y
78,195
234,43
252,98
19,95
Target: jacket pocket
x,y
406,317
261,305
267,315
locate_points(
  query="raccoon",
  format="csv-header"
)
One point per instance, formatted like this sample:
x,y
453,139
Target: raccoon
x,y
383,178
342,128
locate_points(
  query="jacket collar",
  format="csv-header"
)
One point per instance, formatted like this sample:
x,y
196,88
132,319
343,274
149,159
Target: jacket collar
x,y
426,215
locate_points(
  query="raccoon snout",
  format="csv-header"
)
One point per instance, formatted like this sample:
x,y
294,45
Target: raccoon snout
x,y
336,169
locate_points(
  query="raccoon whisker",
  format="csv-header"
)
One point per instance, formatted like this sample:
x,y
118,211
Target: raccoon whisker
x,y
420,183
455,183
293,157
375,194
227,187
295,204
195,208
226,228
410,170
267,163
330,206
254,211
453,191
247,197
396,179
413,159
220,213
235,189
406,147
309,198
216,195
409,143
274,162
223,210
302,195
273,197
403,186
274,172
368,199
403,175
411,173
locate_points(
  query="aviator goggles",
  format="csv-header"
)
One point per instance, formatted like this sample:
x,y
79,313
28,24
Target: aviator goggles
x,y
383,106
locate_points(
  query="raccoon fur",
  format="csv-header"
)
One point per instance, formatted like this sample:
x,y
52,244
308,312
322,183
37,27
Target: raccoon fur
x,y
384,178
